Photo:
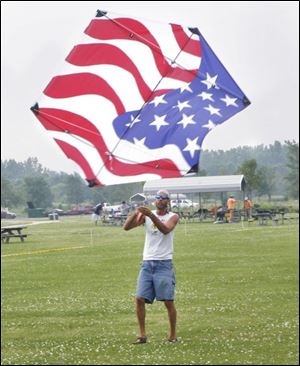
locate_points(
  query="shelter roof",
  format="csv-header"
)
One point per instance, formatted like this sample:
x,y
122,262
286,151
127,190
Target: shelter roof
x,y
220,183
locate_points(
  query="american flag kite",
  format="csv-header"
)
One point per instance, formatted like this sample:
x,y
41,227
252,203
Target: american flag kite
x,y
136,99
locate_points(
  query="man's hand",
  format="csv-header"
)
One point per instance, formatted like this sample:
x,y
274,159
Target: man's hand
x,y
164,228
134,220
145,211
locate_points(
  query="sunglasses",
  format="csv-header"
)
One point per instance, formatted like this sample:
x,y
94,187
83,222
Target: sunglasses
x,y
158,197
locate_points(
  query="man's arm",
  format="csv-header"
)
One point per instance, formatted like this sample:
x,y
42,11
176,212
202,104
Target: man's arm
x,y
134,220
165,228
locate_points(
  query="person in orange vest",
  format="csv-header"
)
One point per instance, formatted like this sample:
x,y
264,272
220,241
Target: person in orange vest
x,y
248,208
230,207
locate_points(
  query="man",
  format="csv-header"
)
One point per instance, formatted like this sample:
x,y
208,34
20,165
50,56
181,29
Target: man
x,y
248,208
220,214
124,208
230,207
156,278
97,213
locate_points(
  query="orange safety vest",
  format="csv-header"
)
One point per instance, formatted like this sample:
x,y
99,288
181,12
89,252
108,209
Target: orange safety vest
x,y
230,203
247,204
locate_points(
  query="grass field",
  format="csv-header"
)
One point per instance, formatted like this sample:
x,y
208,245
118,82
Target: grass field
x,y
68,296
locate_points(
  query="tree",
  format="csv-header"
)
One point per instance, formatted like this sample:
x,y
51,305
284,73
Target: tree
x,y
293,166
266,181
202,173
38,191
14,170
9,194
248,169
75,189
32,167
11,170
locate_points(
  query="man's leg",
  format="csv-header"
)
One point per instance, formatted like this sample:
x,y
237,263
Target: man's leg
x,y
172,313
141,314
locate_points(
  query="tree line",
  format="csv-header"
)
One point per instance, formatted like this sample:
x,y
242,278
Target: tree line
x,y
268,170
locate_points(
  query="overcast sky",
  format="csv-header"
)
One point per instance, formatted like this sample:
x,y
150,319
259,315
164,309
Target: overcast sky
x,y
258,43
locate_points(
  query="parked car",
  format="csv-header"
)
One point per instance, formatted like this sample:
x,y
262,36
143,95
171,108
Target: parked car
x,y
59,211
80,211
108,208
183,203
7,215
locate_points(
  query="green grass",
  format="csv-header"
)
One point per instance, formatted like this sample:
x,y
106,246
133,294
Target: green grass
x,y
68,296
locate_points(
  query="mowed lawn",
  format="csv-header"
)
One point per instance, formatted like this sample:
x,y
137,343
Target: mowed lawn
x,y
68,296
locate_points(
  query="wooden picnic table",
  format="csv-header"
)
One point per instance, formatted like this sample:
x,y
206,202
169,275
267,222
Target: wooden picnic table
x,y
263,217
15,231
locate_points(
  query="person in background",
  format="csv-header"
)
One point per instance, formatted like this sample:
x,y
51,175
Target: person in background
x,y
230,207
124,208
157,277
97,213
248,205
220,215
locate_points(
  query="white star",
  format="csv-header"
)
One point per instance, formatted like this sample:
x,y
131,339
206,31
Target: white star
x,y
210,125
159,121
140,143
186,120
133,121
186,87
229,101
212,110
192,146
205,96
210,81
183,105
159,100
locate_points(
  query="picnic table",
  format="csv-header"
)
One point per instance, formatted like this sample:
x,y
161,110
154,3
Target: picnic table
x,y
15,231
263,217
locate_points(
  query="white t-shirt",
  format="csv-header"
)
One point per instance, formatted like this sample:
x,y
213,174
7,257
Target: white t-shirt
x,y
158,246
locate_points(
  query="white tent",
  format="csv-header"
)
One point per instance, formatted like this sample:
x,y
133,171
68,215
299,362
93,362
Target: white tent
x,y
138,197
221,183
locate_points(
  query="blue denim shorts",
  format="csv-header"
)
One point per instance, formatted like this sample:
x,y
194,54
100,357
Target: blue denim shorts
x,y
156,280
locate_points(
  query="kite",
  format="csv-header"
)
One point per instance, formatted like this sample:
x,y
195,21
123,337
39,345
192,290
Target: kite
x,y
136,99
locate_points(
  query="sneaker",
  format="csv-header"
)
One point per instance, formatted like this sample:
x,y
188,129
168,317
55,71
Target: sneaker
x,y
140,340
174,340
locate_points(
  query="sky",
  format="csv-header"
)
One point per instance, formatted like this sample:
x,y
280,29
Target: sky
x,y
257,42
